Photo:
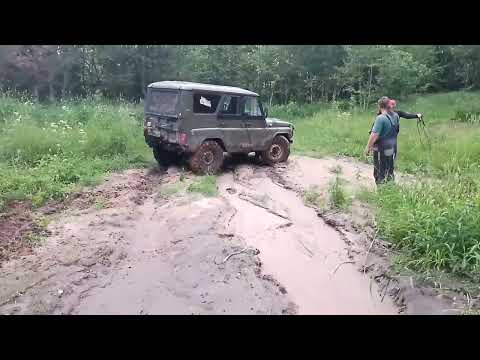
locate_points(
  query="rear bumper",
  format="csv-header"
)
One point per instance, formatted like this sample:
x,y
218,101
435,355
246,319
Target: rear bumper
x,y
153,141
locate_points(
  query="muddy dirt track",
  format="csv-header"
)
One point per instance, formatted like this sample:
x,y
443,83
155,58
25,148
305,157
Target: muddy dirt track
x,y
127,247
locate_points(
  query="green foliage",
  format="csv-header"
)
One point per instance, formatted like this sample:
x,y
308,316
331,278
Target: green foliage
x,y
280,73
206,185
399,74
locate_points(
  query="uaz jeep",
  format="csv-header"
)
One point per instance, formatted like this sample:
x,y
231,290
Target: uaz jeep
x,y
201,122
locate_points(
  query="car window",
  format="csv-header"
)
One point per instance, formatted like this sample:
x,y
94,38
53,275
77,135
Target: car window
x,y
205,103
162,102
251,107
230,105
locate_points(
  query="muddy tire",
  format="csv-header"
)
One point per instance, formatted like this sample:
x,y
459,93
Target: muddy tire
x,y
164,158
208,159
277,152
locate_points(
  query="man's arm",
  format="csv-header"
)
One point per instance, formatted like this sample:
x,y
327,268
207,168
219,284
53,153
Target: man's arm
x,y
407,115
371,141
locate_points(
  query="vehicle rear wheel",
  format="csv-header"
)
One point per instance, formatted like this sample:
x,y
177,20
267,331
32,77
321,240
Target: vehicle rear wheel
x,y
163,157
208,159
277,152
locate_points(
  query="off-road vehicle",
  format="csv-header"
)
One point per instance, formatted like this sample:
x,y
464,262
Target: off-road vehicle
x,y
201,122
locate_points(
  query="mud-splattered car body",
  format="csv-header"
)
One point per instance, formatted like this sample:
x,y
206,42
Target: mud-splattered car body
x,y
181,116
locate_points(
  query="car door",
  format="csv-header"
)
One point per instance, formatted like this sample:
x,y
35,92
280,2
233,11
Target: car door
x,y
254,119
235,134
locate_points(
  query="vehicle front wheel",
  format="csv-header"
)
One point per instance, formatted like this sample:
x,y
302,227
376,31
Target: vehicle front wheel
x,y
277,152
208,159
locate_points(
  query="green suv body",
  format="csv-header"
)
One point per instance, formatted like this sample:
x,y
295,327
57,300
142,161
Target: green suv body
x,y
202,121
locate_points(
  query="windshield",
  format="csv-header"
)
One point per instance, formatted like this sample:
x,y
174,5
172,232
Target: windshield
x,y
162,102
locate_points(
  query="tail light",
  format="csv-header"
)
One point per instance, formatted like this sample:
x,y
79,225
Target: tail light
x,y
182,139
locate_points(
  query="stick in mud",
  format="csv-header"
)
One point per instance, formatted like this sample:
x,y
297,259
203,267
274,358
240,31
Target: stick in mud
x,y
368,252
253,202
386,289
256,252
338,266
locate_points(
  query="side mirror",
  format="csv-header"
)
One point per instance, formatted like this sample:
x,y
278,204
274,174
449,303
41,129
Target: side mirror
x,y
266,112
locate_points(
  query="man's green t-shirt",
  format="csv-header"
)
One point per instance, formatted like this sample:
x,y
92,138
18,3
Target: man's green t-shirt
x,y
382,125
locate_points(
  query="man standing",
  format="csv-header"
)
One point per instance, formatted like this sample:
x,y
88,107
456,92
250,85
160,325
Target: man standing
x,y
383,142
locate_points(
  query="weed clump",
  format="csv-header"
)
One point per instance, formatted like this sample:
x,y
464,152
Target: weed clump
x,y
206,185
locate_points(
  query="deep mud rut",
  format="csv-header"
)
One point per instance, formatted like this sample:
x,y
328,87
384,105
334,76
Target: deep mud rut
x,y
124,248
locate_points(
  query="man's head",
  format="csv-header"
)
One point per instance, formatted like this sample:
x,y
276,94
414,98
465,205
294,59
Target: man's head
x,y
393,104
383,103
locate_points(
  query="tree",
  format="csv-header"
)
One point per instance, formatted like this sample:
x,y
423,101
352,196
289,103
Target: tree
x,y
280,73
467,61
37,65
400,74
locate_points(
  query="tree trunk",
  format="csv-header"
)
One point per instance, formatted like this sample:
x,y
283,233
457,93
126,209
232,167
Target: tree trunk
x,y
369,86
272,90
66,83
142,74
83,76
142,77
467,71
51,91
36,94
311,92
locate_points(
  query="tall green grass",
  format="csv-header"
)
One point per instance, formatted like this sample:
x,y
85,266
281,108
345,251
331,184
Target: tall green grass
x,y
436,225
46,151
